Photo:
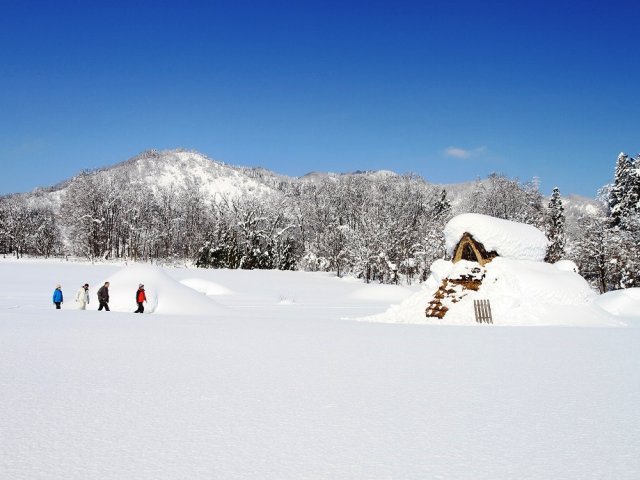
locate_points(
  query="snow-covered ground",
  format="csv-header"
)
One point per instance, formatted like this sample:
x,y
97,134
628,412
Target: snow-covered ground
x,y
256,374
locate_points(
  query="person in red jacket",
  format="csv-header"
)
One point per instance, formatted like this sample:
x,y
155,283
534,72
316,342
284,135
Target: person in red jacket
x,y
141,297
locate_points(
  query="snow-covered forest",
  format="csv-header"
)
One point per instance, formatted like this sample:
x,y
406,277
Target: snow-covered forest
x,y
377,226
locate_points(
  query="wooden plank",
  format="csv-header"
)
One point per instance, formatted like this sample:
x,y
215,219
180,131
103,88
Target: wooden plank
x,y
490,316
482,310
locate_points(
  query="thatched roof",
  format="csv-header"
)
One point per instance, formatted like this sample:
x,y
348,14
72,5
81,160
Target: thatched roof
x,y
470,249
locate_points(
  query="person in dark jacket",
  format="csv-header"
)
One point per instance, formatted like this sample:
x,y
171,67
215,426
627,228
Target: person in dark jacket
x,y
103,296
57,297
141,297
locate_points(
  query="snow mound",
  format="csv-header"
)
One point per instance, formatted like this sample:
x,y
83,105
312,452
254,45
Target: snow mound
x,y
521,292
566,266
621,303
508,239
206,286
526,292
440,270
164,294
388,293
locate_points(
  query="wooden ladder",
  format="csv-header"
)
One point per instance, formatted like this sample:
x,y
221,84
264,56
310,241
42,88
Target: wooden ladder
x,y
483,311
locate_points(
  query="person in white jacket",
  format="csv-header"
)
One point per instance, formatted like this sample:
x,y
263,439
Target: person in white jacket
x,y
82,297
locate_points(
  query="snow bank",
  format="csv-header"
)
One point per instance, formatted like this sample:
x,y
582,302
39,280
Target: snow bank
x,y
440,270
206,286
386,293
527,292
509,239
164,294
521,292
621,303
566,266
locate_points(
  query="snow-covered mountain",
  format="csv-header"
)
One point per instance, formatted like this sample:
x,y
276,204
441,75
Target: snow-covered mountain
x,y
188,169
183,169
172,169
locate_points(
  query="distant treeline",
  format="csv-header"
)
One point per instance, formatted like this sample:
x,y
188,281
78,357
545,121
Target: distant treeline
x,y
383,228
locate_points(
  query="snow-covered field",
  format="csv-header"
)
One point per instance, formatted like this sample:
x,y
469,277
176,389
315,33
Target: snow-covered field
x,y
256,374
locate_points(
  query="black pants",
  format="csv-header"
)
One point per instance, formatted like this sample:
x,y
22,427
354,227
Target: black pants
x,y
140,308
104,305
57,305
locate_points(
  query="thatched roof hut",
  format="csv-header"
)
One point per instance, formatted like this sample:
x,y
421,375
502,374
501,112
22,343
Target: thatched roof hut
x,y
473,251
479,239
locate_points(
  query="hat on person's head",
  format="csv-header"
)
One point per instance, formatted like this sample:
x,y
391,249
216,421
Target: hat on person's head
x,y
140,286
58,286
86,285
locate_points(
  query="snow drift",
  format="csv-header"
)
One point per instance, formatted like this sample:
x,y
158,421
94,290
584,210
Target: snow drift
x,y
164,294
521,292
206,286
624,304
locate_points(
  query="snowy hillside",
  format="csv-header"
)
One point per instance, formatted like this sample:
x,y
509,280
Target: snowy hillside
x,y
184,169
576,206
176,170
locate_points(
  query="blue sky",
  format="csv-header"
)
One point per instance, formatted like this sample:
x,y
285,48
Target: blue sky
x,y
448,90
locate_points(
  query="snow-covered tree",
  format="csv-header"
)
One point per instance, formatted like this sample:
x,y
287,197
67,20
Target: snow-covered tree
x,y
592,251
502,197
27,229
442,207
554,227
624,194
630,253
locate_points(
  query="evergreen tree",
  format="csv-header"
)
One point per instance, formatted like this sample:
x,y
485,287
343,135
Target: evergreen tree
x,y
442,207
554,227
629,253
624,194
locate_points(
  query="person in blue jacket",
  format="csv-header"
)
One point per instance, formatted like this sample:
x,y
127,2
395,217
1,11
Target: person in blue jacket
x,y
57,296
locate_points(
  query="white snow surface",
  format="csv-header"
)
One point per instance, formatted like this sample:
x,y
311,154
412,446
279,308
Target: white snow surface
x,y
262,389
206,286
566,266
508,239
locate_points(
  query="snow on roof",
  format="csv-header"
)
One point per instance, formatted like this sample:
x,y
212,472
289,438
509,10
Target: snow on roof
x,y
509,239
